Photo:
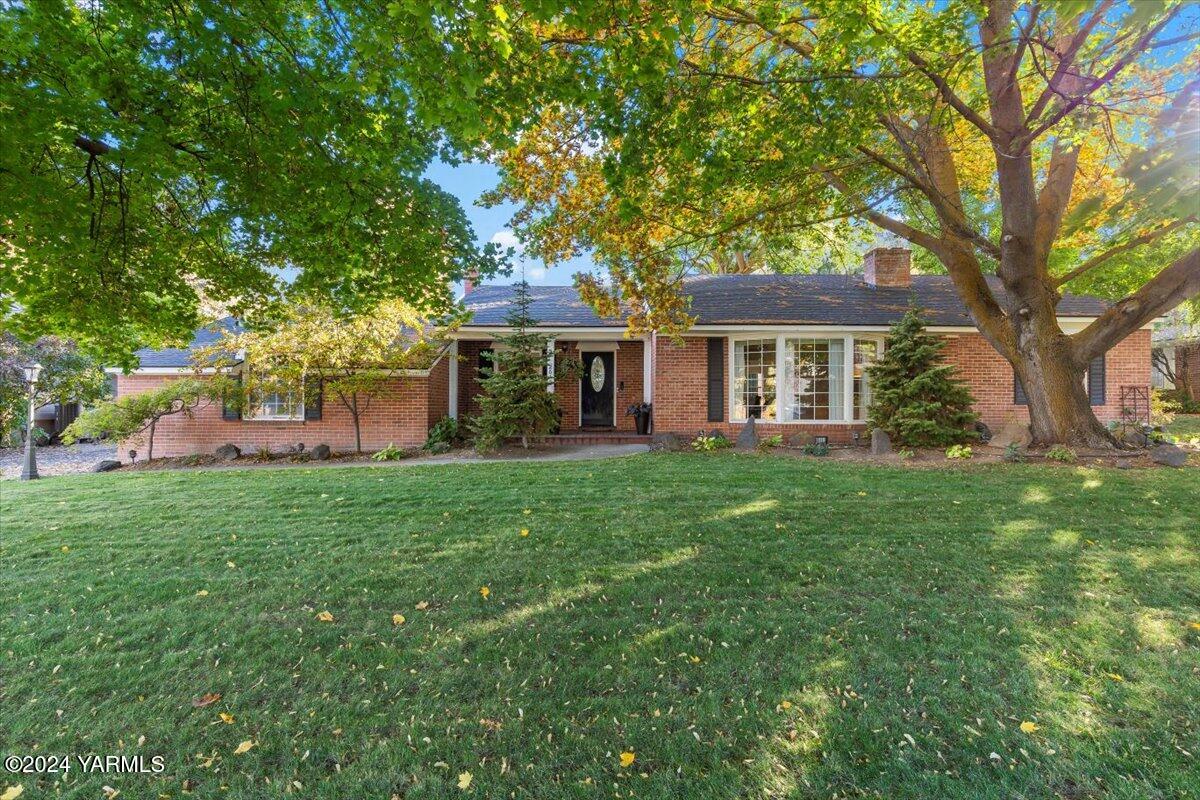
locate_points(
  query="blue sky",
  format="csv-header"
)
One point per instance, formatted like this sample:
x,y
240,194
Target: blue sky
x,y
467,182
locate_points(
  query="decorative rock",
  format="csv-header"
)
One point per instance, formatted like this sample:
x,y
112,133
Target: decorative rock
x,y
666,443
748,436
881,443
320,452
1137,439
228,452
1123,463
107,465
1169,455
985,433
1012,433
799,439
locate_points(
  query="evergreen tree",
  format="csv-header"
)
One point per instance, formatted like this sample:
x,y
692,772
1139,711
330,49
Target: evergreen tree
x,y
915,397
516,400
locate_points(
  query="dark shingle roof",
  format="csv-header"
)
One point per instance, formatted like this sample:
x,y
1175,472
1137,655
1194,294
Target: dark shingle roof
x,y
769,300
182,357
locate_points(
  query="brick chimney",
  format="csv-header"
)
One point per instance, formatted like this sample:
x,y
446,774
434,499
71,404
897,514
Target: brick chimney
x,y
889,267
470,281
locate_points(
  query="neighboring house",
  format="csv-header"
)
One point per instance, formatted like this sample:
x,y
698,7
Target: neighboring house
x,y
1176,354
788,350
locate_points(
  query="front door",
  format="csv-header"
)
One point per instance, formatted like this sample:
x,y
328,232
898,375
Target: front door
x,y
597,399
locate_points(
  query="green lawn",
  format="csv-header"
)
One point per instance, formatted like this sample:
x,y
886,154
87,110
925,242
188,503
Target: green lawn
x,y
746,626
1185,426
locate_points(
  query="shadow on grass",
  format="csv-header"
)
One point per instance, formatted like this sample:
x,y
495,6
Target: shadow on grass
x,y
746,627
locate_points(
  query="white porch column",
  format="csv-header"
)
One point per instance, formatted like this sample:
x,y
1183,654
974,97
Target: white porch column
x,y
453,405
648,348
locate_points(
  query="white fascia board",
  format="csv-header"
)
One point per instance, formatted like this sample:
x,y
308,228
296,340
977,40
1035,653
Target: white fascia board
x,y
160,371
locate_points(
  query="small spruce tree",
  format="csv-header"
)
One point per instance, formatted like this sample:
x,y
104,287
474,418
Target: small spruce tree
x,y
915,397
516,401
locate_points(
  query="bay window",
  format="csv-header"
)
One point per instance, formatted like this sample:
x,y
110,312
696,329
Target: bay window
x,y
820,378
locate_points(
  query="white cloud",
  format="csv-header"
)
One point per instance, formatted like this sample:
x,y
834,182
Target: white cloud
x,y
506,238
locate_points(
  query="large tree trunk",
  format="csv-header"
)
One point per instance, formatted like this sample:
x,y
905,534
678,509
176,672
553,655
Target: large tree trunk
x,y
357,429
1059,408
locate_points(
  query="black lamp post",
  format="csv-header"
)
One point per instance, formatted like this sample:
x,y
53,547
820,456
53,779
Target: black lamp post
x,y
29,470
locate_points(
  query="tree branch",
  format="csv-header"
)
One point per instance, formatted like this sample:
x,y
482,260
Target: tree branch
x,y
1137,241
1167,289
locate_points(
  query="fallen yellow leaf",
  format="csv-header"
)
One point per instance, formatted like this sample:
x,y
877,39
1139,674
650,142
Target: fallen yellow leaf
x,y
524,531
226,718
1195,625
421,606
243,747
785,705
485,591
397,619
66,549
202,593
230,564
1028,727
464,780
1115,676
325,616
627,758
12,792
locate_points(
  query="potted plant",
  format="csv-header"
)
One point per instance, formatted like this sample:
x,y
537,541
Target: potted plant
x,y
641,414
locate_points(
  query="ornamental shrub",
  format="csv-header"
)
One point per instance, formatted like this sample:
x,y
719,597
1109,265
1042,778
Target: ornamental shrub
x,y
915,397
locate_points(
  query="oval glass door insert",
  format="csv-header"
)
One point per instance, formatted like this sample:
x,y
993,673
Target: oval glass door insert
x,y
597,373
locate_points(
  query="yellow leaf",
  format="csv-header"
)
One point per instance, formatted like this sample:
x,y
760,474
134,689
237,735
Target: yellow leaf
x,y
12,792
627,758
421,606
464,780
325,616
230,564
1028,727
527,511
1195,625
1115,676
524,531
243,747
785,705
202,593
226,718
485,591
66,549
397,619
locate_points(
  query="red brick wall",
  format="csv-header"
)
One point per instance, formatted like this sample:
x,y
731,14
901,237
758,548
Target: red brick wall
x,y
991,377
1187,368
681,386
400,415
438,394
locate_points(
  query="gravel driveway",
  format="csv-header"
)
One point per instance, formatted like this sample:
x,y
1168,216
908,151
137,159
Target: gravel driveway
x,y
57,459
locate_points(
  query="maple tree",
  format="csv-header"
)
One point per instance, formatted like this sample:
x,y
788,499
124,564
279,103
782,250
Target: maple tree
x,y
158,157
311,353
1053,144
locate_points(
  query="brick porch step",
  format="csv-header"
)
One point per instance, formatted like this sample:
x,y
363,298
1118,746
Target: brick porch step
x,y
597,437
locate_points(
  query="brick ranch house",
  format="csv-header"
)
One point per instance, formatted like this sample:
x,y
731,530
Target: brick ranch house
x,y
788,350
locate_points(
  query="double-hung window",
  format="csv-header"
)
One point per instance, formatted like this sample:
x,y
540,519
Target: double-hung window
x,y
754,367
272,401
803,378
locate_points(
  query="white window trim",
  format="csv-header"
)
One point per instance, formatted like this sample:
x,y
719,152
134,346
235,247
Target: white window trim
x,y
847,338
248,414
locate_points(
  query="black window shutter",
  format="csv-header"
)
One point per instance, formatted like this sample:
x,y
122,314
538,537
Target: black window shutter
x,y
1019,397
1096,381
716,379
312,400
231,410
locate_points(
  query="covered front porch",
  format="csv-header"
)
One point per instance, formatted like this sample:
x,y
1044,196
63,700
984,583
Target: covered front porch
x,y
616,374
